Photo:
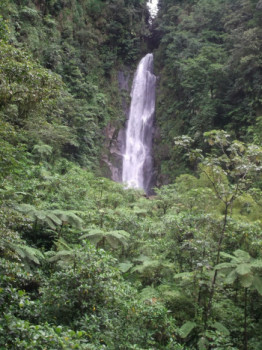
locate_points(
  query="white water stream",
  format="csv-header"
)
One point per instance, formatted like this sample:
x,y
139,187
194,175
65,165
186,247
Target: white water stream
x,y
153,8
137,160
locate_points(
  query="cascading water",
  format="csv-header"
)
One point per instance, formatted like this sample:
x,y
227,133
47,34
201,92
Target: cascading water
x,y
137,160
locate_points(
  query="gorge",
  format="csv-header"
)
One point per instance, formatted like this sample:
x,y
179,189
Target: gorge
x,y
91,263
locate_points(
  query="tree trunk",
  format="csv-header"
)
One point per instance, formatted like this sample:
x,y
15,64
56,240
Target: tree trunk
x,y
245,321
219,247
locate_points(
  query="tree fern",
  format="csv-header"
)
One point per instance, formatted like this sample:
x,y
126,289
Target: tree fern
x,y
114,239
52,218
64,256
153,269
42,151
28,255
68,217
244,268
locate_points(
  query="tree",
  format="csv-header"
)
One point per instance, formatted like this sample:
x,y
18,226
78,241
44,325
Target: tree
x,y
24,83
114,239
230,167
248,272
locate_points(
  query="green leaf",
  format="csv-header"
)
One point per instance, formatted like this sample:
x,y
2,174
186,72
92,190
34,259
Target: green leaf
x,y
43,149
50,223
94,237
187,327
30,253
62,255
246,280
225,255
124,267
221,328
241,254
69,217
54,218
225,266
257,264
203,344
230,279
184,275
40,214
61,243
257,283
113,241
116,238
92,232
120,233
243,269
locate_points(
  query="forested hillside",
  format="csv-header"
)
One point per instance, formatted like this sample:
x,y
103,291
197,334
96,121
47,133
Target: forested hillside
x,y
60,70
209,59
88,264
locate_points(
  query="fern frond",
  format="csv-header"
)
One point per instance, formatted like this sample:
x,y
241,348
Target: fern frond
x,y
25,252
64,255
61,244
70,217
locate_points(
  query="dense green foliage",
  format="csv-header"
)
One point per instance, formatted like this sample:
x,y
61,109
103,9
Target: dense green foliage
x,y
180,270
209,61
82,43
87,264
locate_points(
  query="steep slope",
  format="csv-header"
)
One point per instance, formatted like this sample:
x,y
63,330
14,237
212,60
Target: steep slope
x,y
210,68
85,43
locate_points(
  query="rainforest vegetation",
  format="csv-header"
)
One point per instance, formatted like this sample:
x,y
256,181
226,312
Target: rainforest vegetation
x,y
88,264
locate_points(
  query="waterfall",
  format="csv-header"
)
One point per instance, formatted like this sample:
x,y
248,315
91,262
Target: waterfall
x,y
137,160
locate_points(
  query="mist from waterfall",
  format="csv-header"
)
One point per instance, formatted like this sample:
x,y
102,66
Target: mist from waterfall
x,y
137,160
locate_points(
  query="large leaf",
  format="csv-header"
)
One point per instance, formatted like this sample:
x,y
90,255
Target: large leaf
x,y
116,238
226,255
61,214
70,217
55,219
43,149
30,253
243,269
113,241
142,258
187,327
225,266
257,264
61,244
74,220
257,283
26,208
246,280
147,266
221,328
40,215
184,275
242,255
50,223
93,234
203,344
120,233
62,255
94,237
230,279
125,266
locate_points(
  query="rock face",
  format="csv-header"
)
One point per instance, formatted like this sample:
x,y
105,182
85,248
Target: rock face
x,y
113,158
259,5
115,136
